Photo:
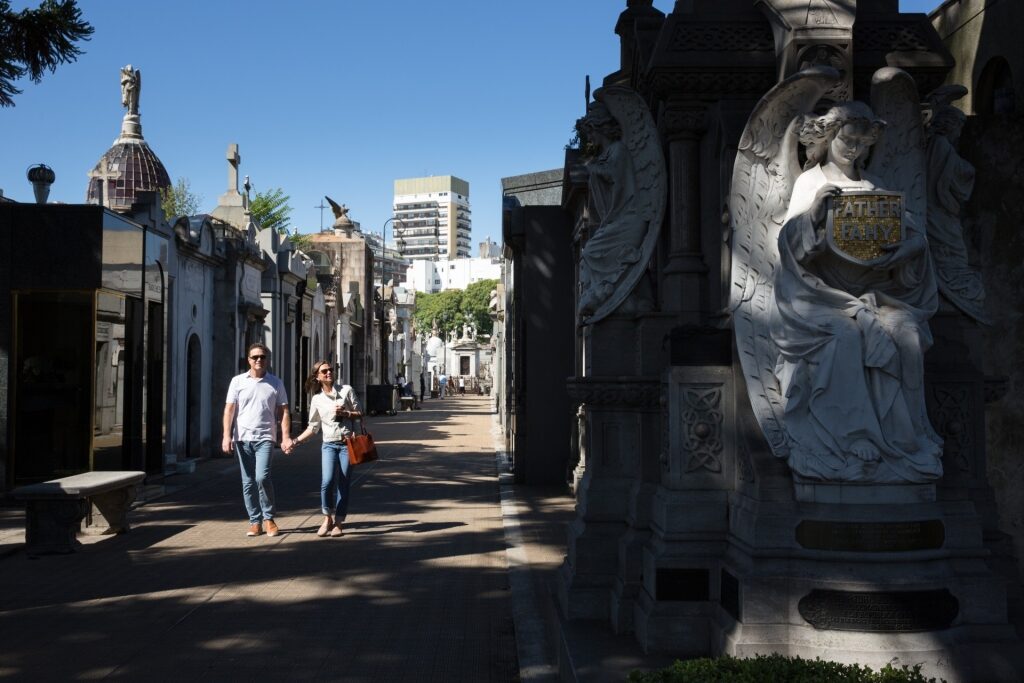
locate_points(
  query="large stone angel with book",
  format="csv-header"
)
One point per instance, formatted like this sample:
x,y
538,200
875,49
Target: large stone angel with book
x,y
832,281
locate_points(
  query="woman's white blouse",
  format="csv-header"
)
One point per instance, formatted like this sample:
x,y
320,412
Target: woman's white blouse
x,y
321,413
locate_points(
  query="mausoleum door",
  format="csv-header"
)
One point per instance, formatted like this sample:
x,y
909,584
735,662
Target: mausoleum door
x,y
52,384
194,398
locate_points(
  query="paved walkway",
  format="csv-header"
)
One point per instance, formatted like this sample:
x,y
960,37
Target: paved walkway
x,y
445,573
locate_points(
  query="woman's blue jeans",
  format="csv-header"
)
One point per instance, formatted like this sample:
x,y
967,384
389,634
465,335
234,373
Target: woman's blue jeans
x,y
334,479
257,489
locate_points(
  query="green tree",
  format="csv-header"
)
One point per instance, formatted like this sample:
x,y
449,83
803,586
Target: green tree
x,y
451,307
34,41
271,209
300,241
476,301
444,307
180,200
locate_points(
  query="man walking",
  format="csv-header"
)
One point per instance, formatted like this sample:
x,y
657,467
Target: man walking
x,y
256,402
443,382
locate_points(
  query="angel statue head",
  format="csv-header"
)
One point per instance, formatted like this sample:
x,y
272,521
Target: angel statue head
x,y
599,126
844,134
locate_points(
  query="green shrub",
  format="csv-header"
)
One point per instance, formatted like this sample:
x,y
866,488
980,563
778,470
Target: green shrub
x,y
776,669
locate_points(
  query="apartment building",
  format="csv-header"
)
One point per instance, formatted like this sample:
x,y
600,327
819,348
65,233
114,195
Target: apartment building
x,y
432,218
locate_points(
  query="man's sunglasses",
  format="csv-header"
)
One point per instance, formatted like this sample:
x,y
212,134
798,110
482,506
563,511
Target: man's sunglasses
x,y
257,357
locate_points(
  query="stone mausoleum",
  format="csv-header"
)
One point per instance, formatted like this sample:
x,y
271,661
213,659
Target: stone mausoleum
x,y
776,376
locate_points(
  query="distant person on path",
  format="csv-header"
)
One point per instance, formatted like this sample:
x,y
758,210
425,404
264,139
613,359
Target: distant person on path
x,y
443,381
423,387
256,402
410,390
335,408
462,386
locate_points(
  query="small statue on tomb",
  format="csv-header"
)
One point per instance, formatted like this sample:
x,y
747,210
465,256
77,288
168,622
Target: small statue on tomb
x,y
340,212
627,189
131,86
832,322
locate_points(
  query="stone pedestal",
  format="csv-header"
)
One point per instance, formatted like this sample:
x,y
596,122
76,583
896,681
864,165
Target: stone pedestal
x,y
689,519
864,583
605,537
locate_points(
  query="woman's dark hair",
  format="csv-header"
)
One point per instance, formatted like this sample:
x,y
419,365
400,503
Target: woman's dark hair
x,y
313,386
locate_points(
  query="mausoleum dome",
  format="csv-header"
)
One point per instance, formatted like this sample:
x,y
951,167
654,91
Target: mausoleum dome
x,y
129,166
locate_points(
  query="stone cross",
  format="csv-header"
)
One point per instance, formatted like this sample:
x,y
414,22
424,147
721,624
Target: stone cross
x,y
233,161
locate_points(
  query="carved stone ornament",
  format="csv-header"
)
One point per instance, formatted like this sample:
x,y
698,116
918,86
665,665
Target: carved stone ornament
x,y
627,189
701,417
833,351
611,393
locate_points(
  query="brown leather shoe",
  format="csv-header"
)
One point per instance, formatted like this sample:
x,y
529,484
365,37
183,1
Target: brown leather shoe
x,y
272,529
254,530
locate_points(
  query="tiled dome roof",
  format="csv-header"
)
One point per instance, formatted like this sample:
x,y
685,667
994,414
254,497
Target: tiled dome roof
x,y
131,167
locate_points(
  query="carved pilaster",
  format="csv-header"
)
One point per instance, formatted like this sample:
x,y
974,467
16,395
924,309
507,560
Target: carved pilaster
x,y
683,125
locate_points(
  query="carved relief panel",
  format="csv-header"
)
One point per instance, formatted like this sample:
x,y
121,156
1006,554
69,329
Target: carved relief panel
x,y
700,415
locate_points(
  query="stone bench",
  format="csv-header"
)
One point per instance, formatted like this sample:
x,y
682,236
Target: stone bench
x,y
408,402
54,509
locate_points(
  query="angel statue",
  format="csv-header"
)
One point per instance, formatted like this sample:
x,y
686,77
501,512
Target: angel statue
x,y
131,87
340,212
627,187
950,182
833,284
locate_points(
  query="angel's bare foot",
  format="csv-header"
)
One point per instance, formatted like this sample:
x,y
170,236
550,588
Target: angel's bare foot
x,y
865,450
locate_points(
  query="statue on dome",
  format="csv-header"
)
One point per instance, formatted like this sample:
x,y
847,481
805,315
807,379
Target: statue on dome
x,y
131,85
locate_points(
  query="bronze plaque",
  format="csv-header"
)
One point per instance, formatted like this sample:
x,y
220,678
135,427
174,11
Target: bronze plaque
x,y
860,223
880,611
871,537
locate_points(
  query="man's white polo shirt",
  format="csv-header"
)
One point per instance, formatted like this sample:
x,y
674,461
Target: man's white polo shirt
x,y
258,399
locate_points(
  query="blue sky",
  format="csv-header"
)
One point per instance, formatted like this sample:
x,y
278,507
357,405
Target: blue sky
x,y
335,97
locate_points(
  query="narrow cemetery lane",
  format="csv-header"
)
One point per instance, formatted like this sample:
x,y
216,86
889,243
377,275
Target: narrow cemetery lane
x,y
416,589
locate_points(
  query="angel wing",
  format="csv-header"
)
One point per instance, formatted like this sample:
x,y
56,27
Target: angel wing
x,y
640,136
766,167
899,158
335,207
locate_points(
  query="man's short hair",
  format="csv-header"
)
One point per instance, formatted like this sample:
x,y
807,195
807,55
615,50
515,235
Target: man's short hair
x,y
257,345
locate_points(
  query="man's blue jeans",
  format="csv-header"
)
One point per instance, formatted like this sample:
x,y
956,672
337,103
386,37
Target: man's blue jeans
x,y
257,489
334,479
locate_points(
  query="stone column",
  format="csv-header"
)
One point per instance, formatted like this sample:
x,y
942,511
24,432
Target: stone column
x,y
617,441
684,279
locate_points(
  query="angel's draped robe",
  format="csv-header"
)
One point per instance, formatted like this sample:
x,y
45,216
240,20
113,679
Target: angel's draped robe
x,y
615,244
851,345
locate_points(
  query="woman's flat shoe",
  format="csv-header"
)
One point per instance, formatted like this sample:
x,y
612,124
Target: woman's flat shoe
x,y
324,528
336,531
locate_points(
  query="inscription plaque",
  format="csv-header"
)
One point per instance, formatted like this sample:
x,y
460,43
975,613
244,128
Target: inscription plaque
x,y
861,224
871,537
880,612
730,595
672,583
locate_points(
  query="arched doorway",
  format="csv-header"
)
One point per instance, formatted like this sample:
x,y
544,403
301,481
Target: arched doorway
x,y
996,94
194,399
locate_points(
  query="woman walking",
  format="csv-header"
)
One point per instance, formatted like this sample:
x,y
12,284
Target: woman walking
x,y
334,408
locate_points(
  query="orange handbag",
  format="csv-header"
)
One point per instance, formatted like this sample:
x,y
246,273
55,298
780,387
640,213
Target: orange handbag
x,y
361,447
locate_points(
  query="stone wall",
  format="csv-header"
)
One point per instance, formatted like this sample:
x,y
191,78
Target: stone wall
x,y
994,227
